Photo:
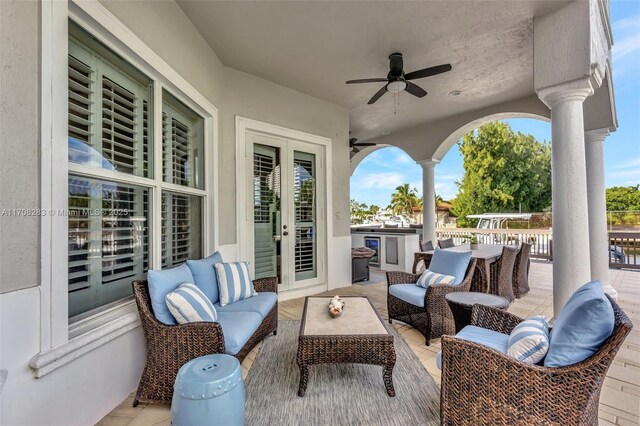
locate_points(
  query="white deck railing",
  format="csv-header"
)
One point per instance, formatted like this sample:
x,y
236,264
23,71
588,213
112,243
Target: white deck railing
x,y
540,239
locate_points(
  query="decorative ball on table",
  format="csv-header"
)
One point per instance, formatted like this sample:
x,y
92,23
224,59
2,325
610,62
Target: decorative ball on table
x,y
335,306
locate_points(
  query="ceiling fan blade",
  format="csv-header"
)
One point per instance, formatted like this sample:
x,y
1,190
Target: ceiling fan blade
x,y
361,144
427,72
355,150
352,141
367,80
415,90
378,95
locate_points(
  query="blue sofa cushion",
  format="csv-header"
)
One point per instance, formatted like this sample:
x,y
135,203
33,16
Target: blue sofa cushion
x,y
409,293
188,303
583,325
429,278
234,282
162,283
262,303
482,336
204,275
448,262
237,328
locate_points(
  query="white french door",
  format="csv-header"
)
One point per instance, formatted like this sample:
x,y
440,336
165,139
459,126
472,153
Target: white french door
x,y
285,210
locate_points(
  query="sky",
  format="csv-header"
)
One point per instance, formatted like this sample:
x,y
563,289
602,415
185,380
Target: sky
x,y
377,176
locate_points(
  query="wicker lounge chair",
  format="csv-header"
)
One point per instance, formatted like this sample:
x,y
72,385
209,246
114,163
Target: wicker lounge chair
x,y
426,245
448,243
502,273
521,271
483,386
170,346
435,318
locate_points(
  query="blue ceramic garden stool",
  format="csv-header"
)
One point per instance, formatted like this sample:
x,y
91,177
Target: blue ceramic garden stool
x,y
209,391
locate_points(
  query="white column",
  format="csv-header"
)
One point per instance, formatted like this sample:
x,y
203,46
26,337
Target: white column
x,y
571,261
429,200
596,197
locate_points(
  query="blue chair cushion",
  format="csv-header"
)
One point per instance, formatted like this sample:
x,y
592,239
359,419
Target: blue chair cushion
x,y
448,262
162,283
410,293
482,336
234,282
583,325
262,303
204,275
188,303
237,328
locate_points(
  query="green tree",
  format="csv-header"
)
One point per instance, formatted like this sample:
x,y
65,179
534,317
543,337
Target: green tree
x,y
620,198
359,212
373,209
504,171
404,200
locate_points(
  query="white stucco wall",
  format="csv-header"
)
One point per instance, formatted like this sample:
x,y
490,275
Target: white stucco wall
x,y
83,391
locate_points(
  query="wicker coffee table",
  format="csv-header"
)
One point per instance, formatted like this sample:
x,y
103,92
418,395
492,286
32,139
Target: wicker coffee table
x,y
358,336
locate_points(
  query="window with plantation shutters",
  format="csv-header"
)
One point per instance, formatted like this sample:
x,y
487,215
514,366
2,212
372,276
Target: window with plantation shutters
x,y
109,124
182,144
108,231
112,187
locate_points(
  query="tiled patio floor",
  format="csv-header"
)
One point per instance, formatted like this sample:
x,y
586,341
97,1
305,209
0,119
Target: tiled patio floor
x,y
620,399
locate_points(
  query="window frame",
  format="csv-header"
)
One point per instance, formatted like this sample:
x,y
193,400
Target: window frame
x,y
95,19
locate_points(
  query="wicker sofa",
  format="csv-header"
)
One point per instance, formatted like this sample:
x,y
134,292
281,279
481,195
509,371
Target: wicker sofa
x,y
170,346
434,318
480,385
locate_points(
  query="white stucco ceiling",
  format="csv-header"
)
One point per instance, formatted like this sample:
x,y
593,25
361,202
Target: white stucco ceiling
x,y
315,46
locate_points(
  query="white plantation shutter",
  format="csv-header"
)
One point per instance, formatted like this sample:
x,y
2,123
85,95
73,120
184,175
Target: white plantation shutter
x,y
266,175
181,144
120,130
304,193
108,228
108,118
180,229
81,84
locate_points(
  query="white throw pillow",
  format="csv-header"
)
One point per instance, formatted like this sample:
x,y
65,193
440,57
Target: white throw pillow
x,y
188,303
234,282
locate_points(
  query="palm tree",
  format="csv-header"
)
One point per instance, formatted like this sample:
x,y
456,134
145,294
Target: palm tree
x,y
404,200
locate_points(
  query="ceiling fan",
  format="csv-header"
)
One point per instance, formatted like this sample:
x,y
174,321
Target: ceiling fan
x,y
355,146
397,80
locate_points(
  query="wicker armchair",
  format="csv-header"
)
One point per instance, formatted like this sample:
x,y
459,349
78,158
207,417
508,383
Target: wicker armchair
x,y
483,386
448,243
426,245
521,271
171,346
502,273
435,318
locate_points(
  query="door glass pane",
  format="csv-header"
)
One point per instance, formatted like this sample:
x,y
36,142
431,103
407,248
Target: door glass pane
x,y
267,211
304,199
108,242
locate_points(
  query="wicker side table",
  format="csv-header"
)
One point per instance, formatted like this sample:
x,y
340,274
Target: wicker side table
x,y
357,336
462,302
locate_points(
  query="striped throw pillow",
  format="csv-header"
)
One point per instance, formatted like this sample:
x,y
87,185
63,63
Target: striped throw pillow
x,y
429,278
188,303
529,340
234,282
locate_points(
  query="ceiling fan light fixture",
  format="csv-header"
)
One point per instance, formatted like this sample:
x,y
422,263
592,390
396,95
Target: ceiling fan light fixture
x,y
396,86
